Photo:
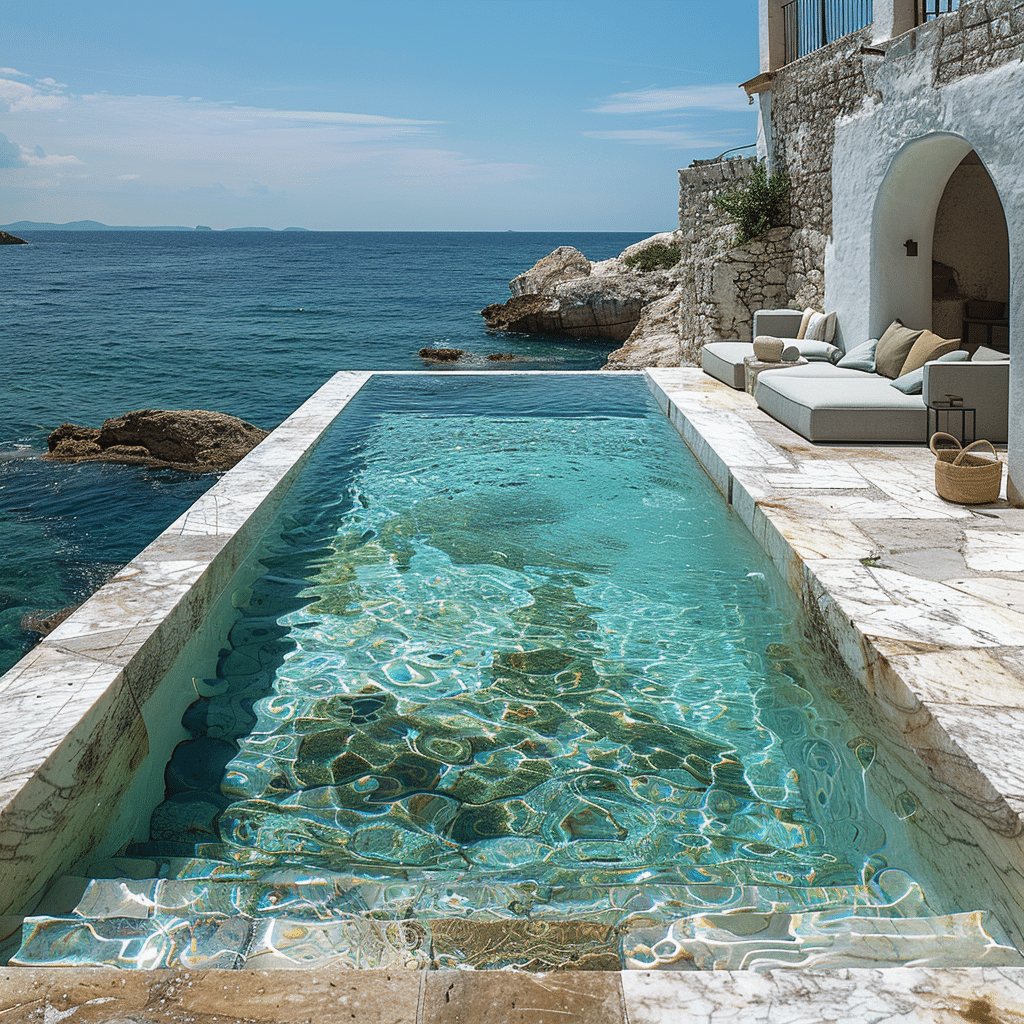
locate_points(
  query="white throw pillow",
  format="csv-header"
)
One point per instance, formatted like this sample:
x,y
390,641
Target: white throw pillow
x,y
988,355
821,327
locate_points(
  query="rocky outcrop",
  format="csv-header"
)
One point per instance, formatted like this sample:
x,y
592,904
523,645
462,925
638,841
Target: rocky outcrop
x,y
6,239
441,355
565,293
194,440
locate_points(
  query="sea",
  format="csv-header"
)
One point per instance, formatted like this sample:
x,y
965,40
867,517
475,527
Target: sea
x,y
249,323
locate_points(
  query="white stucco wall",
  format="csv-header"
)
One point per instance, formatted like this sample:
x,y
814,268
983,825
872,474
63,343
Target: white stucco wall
x,y
891,162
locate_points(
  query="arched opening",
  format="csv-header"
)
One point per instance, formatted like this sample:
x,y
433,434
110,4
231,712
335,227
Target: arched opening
x,y
939,242
971,260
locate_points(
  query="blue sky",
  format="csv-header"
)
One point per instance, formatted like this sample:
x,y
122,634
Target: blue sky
x,y
557,115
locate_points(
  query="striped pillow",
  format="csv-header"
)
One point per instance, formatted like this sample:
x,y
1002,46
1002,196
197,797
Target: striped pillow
x,y
821,327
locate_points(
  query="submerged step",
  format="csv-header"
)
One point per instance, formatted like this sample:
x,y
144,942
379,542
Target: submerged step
x,y
736,941
302,895
829,940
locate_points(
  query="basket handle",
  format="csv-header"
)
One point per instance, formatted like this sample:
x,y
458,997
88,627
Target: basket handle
x,y
964,451
939,436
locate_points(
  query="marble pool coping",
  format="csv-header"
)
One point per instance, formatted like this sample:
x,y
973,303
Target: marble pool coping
x,y
923,600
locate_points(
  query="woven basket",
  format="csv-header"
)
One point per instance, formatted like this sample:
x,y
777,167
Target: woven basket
x,y
965,478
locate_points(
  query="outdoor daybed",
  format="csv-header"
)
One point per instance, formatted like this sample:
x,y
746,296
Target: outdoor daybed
x,y
857,400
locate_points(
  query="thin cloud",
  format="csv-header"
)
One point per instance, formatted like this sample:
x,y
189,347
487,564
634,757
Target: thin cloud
x,y
53,160
12,155
439,163
661,101
18,98
14,71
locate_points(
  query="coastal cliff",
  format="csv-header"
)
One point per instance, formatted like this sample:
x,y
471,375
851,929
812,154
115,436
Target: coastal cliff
x,y
565,293
664,316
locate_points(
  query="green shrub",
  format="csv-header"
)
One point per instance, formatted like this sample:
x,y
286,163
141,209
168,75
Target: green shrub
x,y
654,257
758,206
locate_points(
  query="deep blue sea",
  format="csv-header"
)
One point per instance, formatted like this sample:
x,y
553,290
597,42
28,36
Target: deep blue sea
x,y
249,323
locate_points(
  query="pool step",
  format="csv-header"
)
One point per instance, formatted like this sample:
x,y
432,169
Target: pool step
x,y
824,940
740,941
301,894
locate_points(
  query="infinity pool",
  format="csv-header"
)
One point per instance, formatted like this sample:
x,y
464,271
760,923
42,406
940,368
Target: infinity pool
x,y
504,657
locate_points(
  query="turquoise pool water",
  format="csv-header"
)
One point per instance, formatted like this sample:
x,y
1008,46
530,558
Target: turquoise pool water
x,y
507,684
500,634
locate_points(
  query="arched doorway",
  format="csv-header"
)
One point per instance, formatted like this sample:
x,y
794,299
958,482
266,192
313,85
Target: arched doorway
x,y
971,260
939,239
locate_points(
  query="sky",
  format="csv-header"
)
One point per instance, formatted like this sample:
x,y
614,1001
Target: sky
x,y
537,115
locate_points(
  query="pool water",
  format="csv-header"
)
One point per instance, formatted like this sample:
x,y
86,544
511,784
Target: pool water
x,y
506,660
498,634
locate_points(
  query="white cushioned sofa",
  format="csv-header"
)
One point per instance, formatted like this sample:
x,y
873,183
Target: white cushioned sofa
x,y
828,403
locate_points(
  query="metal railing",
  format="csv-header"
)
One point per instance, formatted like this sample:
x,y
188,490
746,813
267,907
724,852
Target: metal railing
x,y
810,24
929,10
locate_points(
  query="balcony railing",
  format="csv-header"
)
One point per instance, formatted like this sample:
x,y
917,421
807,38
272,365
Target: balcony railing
x,y
929,10
810,24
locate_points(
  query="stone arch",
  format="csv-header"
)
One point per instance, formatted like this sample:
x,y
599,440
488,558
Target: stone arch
x,y
905,211
905,207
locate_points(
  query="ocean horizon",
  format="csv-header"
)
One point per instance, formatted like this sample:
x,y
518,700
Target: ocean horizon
x,y
243,322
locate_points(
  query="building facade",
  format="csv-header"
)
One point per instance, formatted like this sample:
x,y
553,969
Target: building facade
x,y
901,126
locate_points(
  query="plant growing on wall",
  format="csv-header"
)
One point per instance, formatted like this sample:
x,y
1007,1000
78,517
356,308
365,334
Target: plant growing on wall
x,y
757,206
654,257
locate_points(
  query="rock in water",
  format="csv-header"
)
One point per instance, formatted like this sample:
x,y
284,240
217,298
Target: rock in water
x,y
565,293
194,439
441,355
6,239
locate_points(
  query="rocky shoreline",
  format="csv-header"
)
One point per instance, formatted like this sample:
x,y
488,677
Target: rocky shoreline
x,y
565,293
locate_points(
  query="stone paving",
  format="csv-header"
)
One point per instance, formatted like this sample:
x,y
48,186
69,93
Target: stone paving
x,y
903,995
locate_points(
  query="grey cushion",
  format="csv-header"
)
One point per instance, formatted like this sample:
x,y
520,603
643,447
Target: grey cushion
x,y
840,407
780,323
860,358
820,369
723,360
818,351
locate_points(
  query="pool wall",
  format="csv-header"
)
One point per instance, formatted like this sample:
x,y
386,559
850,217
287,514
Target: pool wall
x,y
84,715
73,757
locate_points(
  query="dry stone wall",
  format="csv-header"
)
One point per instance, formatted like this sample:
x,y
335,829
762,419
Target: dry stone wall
x,y
724,284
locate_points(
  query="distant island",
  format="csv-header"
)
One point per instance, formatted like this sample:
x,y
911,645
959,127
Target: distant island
x,y
95,225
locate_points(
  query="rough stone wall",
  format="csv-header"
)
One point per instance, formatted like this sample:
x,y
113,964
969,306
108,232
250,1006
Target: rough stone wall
x,y
729,287
724,285
705,229
979,36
